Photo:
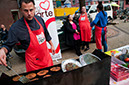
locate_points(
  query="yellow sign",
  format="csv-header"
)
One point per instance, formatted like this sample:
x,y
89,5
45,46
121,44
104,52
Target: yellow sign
x,y
65,11
109,52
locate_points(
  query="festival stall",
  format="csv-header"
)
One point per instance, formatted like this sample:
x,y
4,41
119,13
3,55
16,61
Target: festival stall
x,y
89,69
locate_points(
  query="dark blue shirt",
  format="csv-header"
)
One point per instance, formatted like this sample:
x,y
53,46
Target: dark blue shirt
x,y
4,34
100,20
19,33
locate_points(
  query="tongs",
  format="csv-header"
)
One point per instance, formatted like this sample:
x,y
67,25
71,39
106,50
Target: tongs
x,y
22,79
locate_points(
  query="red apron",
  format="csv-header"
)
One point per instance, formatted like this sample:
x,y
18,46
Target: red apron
x,y
98,36
85,28
37,55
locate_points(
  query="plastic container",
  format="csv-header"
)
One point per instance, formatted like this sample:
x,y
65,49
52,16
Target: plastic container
x,y
88,58
119,72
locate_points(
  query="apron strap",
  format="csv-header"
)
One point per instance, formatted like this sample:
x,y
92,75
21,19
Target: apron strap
x,y
41,27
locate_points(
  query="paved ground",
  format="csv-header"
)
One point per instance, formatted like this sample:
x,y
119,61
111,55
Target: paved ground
x,y
118,36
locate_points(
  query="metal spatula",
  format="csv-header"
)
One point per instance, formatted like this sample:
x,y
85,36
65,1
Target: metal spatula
x,y
22,79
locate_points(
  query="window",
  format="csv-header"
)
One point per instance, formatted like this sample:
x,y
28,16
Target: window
x,y
73,2
106,2
93,9
87,8
107,8
127,1
15,14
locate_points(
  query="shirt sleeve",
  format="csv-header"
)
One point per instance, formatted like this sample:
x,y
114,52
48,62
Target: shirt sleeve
x,y
95,21
47,35
106,17
11,40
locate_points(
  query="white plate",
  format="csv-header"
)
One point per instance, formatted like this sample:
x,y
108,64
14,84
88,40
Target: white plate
x,y
63,64
88,58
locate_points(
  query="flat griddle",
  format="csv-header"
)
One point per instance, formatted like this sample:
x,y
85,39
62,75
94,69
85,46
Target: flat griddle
x,y
97,73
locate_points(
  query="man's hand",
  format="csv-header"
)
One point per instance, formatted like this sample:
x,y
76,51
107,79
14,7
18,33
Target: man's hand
x,y
53,50
3,56
52,47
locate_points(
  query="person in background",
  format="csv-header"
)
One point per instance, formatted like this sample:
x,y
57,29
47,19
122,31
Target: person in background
x,y
85,29
100,23
1,27
76,16
4,33
72,34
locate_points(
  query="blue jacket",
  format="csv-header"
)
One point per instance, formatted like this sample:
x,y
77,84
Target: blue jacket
x,y
100,20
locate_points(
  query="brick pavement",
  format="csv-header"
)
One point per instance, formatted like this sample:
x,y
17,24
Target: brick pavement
x,y
111,32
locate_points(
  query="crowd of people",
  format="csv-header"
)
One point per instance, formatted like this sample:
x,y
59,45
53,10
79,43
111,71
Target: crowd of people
x,y
78,30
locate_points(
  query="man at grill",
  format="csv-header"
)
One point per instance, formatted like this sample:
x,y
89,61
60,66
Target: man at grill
x,y
32,33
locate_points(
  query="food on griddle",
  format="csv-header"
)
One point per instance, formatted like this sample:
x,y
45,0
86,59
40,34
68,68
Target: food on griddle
x,y
31,75
71,66
43,72
55,68
34,79
46,76
16,78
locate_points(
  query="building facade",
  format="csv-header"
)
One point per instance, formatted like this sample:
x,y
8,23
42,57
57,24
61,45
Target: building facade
x,y
9,12
126,4
75,3
9,8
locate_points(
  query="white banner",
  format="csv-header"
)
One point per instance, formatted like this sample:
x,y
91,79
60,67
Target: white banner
x,y
44,8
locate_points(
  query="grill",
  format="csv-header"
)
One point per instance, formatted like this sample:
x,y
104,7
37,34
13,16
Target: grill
x,y
97,73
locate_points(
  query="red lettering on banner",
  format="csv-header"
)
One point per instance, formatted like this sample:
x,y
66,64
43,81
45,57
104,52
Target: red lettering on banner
x,y
42,14
50,13
46,13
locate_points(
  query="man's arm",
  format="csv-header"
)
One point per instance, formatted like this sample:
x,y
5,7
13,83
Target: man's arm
x,y
7,46
52,47
48,37
95,21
